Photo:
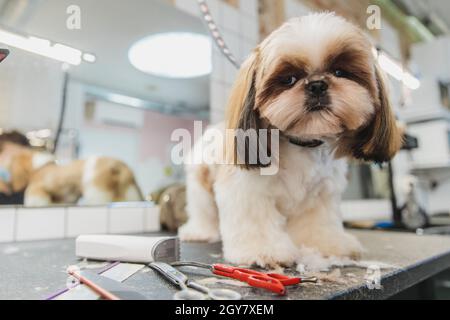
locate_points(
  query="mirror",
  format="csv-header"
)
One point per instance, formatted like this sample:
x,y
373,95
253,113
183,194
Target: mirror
x,y
86,120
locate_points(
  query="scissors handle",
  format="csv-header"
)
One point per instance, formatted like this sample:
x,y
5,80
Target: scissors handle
x,y
285,280
240,274
253,278
233,272
267,283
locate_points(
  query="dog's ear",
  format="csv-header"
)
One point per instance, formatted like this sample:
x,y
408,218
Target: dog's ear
x,y
242,96
380,140
245,146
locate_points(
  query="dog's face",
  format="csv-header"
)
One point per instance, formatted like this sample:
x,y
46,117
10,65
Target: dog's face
x,y
316,77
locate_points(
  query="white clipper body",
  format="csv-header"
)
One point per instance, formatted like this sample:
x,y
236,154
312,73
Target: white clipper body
x,y
132,249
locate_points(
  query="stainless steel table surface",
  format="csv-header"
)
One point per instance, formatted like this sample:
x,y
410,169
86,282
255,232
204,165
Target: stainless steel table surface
x,y
33,270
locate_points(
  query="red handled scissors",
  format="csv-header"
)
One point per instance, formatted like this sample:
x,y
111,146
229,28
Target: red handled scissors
x,y
270,281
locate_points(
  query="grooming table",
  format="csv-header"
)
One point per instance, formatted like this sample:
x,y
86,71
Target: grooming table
x,y
34,270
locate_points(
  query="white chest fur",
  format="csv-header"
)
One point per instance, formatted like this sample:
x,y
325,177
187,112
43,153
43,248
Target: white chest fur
x,y
265,219
307,175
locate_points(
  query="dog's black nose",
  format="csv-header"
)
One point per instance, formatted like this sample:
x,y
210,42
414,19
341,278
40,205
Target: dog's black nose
x,y
317,88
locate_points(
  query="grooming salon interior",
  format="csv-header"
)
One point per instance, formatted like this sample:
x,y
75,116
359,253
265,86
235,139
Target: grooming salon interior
x,y
104,196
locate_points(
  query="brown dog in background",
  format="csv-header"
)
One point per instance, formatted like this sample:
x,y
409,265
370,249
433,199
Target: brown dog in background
x,y
94,181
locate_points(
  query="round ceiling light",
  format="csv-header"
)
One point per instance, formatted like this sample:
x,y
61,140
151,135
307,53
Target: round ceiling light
x,y
173,55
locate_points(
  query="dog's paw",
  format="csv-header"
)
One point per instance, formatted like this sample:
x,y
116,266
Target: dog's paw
x,y
34,201
193,232
341,244
267,256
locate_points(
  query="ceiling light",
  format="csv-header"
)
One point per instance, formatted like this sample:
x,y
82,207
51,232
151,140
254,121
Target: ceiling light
x,y
173,55
43,47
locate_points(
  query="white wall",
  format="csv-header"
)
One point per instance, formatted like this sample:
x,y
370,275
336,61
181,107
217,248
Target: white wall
x,y
30,91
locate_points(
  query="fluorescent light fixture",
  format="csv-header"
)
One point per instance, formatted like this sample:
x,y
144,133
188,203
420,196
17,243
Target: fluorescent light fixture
x,y
125,100
173,55
397,71
44,47
390,66
410,81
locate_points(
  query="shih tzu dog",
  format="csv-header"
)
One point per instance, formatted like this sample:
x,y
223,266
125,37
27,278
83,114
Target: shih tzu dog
x,y
316,80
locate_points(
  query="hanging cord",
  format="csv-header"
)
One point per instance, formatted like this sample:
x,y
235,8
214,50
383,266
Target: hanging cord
x,y
62,111
215,33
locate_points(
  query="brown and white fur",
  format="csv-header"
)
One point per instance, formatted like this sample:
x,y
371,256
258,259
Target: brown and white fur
x,y
96,180
266,219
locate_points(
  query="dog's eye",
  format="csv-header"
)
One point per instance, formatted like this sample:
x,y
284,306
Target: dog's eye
x,y
339,73
288,81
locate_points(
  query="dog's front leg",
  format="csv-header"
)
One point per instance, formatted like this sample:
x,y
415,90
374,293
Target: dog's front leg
x,y
252,229
321,228
203,221
36,196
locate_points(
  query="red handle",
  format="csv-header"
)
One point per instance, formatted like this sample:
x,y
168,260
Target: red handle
x,y
253,278
236,273
285,280
267,283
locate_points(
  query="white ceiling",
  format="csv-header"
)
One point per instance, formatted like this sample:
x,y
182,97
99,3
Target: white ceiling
x,y
108,28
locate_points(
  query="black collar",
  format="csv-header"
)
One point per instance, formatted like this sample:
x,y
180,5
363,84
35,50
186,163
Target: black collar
x,y
306,143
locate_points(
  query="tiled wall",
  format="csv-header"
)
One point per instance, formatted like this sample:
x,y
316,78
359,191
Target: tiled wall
x,y
240,29
23,224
